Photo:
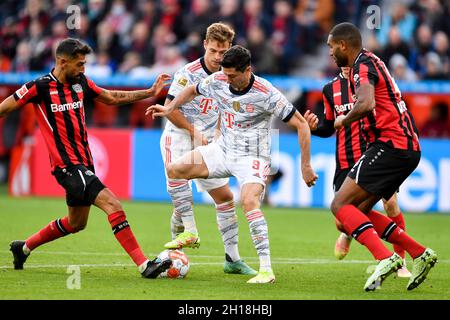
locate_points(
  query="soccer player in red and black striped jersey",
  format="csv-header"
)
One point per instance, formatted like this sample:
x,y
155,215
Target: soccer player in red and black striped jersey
x,y
350,145
392,154
60,99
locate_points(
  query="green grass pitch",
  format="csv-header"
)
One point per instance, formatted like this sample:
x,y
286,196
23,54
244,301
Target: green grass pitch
x,y
301,242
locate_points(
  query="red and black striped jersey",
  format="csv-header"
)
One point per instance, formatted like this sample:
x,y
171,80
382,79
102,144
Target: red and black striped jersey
x,y
337,100
61,117
390,122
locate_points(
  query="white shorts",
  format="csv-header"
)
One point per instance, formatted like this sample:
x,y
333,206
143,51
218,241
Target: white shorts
x,y
246,169
173,146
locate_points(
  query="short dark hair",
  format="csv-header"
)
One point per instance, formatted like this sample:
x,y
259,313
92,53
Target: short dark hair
x,y
348,32
71,47
237,57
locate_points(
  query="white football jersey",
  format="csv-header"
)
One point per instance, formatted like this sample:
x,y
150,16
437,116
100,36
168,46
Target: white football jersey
x,y
202,112
246,116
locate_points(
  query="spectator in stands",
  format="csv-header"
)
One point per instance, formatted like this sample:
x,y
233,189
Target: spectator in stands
x,y
398,66
34,10
229,13
170,61
315,18
39,45
58,10
284,36
441,47
255,15
395,45
438,124
401,18
423,44
21,62
434,68
146,11
140,42
107,40
120,20
171,16
202,14
9,37
262,52
85,32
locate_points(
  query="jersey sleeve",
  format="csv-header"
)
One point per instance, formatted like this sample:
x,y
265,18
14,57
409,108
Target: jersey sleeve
x,y
327,95
364,73
27,93
279,105
180,81
92,90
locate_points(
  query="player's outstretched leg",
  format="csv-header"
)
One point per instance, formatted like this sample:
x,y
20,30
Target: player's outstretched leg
x,y
421,266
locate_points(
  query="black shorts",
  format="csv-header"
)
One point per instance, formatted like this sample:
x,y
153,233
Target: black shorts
x,y
339,177
81,184
382,169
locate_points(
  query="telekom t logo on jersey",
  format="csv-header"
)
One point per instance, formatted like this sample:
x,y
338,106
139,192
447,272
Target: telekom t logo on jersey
x,y
206,105
229,119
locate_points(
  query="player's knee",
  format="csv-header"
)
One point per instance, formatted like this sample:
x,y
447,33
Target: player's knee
x,y
79,227
249,203
174,171
336,205
114,205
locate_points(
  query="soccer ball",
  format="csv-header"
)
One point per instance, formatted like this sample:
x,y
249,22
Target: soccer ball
x,y
180,264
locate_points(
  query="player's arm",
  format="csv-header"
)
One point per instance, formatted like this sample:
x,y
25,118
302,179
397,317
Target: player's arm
x,y
179,120
8,105
185,96
117,97
304,138
364,104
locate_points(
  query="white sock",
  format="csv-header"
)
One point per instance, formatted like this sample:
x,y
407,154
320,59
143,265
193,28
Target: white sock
x,y
260,237
143,266
228,226
176,224
25,249
181,194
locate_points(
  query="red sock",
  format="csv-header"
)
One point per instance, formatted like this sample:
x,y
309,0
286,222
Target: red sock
x,y
359,227
400,222
125,236
54,230
389,231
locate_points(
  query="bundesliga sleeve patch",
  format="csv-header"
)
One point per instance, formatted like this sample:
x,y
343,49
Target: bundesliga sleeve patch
x,y
22,91
182,82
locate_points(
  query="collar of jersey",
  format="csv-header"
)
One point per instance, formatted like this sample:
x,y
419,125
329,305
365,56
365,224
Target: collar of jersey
x,y
57,81
247,89
202,62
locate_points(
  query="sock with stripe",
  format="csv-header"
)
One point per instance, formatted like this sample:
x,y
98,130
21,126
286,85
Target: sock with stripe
x,y
400,222
176,224
181,194
122,232
228,226
390,232
260,237
361,229
56,229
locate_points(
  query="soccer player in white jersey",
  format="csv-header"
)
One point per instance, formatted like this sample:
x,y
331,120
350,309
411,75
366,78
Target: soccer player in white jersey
x,y
193,124
246,103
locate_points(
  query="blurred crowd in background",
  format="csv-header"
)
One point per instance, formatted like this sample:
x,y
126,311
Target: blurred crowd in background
x,y
141,38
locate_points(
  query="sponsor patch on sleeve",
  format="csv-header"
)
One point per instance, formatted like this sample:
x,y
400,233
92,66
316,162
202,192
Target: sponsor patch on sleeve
x,y
22,91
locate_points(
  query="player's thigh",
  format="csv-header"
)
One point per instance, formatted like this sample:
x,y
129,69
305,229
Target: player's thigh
x,y
349,193
108,202
189,166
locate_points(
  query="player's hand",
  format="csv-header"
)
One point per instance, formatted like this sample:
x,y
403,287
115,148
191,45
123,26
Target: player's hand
x,y
158,110
338,122
198,138
312,120
161,81
309,176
